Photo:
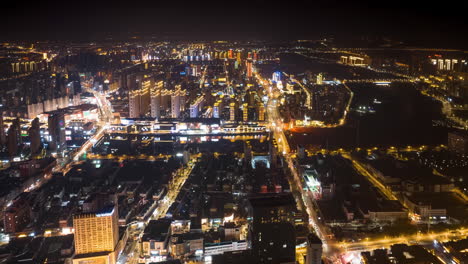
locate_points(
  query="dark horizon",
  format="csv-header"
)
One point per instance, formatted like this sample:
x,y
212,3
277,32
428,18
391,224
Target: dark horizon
x,y
425,26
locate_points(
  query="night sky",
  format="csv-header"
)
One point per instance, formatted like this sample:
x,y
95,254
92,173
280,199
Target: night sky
x,y
415,23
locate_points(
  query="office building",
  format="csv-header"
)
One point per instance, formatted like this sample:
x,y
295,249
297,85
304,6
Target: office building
x,y
272,230
96,236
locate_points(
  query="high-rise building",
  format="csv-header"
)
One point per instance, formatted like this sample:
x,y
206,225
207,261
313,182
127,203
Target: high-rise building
x,y
245,112
261,112
139,95
57,139
314,250
156,99
273,236
35,136
14,137
196,106
249,68
96,236
232,111
175,104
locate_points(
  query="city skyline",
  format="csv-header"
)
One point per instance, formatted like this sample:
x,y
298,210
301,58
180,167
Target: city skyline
x,y
249,133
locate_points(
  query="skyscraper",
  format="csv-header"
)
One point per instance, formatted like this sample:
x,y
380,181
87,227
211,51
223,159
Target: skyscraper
x,y
35,136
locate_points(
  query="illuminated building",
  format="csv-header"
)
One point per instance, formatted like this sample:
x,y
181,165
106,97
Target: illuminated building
x,y
14,137
17,215
166,100
354,60
314,250
56,125
320,79
230,56
245,112
176,102
96,236
448,64
155,239
139,96
232,111
35,136
276,76
217,108
272,229
196,106
156,99
249,68
261,112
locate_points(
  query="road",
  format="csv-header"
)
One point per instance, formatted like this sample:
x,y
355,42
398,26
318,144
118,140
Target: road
x,y
277,128
370,177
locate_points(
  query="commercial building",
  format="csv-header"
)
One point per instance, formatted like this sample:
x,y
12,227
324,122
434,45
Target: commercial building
x,y
96,236
155,239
